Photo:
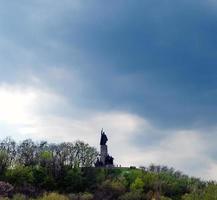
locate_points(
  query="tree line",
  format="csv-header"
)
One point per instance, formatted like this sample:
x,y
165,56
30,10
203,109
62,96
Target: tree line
x,y
29,153
66,171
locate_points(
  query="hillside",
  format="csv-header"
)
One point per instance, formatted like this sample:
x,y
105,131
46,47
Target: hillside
x,y
66,171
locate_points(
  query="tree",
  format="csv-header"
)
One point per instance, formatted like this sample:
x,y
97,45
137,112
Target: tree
x,y
8,146
26,153
73,181
45,159
85,156
42,179
4,162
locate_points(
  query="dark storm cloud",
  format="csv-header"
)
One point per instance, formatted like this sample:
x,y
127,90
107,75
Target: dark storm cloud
x,y
154,58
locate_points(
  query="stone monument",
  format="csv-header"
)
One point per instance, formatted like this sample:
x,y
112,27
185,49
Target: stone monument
x,y
105,160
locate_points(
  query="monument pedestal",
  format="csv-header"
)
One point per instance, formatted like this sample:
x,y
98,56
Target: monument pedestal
x,y
103,153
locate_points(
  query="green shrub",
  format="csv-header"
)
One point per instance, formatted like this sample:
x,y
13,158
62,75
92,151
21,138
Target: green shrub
x,y
165,198
20,175
53,196
136,195
73,196
137,185
192,196
131,175
19,197
86,196
110,189
81,196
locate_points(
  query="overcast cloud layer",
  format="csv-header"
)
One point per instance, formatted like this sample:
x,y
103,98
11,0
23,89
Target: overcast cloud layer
x,y
145,71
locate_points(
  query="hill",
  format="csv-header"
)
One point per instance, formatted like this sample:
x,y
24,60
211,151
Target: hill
x,y
66,171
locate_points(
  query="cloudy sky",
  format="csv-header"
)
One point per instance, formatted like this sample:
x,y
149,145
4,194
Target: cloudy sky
x,y
145,71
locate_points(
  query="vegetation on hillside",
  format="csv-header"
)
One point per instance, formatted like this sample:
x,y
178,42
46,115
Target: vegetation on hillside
x,y
65,171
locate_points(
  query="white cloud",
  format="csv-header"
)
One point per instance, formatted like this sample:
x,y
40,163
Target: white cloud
x,y
30,112
185,150
16,105
180,149
20,105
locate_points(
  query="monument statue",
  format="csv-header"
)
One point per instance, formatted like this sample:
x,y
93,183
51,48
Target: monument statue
x,y
104,138
105,160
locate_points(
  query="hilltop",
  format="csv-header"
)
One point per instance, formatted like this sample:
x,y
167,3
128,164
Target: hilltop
x,y
66,171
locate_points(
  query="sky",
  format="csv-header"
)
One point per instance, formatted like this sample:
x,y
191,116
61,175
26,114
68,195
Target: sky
x,y
145,71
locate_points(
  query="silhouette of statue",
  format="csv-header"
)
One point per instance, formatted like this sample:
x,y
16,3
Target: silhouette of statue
x,y
109,160
98,163
104,138
104,159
